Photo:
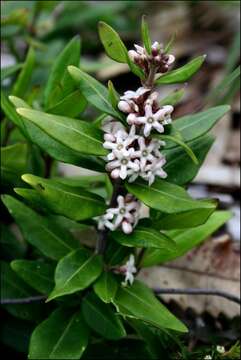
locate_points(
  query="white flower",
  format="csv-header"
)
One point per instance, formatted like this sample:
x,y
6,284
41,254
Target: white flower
x,y
148,152
208,357
155,169
152,120
124,215
119,143
123,165
220,349
129,269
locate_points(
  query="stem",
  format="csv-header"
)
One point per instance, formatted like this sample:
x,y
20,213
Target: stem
x,y
149,83
187,291
197,291
102,239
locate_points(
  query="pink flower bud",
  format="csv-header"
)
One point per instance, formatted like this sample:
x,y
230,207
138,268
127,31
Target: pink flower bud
x,y
115,174
126,227
132,55
124,106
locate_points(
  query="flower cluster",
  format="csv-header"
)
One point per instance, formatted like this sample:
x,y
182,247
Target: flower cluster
x,y
134,153
156,58
124,216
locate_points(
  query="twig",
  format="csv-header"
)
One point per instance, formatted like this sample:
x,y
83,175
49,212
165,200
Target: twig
x,y
196,291
188,291
23,300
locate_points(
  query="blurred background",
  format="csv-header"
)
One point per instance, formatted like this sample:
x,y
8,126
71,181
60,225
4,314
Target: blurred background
x,y
201,27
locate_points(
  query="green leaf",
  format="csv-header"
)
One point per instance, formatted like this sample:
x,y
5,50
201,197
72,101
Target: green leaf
x,y
165,196
37,274
139,302
75,272
22,83
186,239
14,162
102,318
113,95
185,147
73,202
170,44
106,286
182,74
54,148
11,114
112,43
144,237
60,84
10,70
93,90
145,35
186,219
12,287
11,246
176,156
71,105
115,254
63,335
173,98
52,240
196,125
75,134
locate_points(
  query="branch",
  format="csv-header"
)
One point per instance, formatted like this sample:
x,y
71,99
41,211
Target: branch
x,y
23,300
197,291
188,291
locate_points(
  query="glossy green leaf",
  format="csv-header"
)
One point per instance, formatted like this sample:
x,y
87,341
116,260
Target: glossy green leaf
x,y
116,254
196,125
144,237
112,43
113,95
173,98
13,287
145,35
14,162
33,199
11,246
165,196
71,105
60,84
185,147
52,240
75,272
75,134
37,274
96,93
106,286
22,83
102,318
186,239
177,156
11,114
73,202
54,148
186,219
10,70
63,335
182,74
138,301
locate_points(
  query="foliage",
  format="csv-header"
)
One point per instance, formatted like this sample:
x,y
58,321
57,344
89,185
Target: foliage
x,y
57,251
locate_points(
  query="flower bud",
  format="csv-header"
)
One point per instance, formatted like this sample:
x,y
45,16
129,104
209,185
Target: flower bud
x,y
126,227
124,106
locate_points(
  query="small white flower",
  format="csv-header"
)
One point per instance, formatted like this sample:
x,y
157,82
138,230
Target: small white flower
x,y
152,120
220,349
147,152
104,222
208,357
129,269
